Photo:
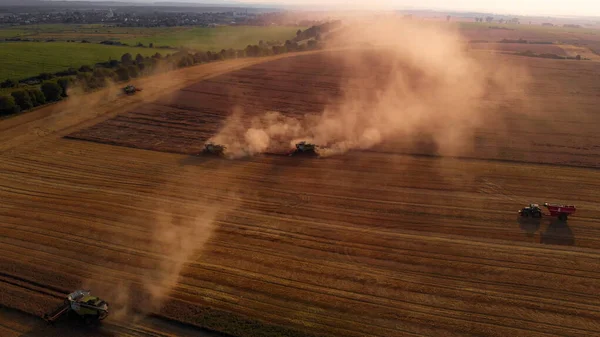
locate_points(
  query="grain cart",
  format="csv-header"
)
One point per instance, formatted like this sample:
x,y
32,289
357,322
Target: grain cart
x,y
560,211
83,304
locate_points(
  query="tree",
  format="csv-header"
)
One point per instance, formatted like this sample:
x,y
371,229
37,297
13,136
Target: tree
x,y
133,71
299,32
85,69
126,59
22,99
45,76
37,96
200,57
157,56
52,91
231,53
448,18
139,58
8,105
64,83
151,45
122,74
8,84
102,73
489,19
501,21
291,46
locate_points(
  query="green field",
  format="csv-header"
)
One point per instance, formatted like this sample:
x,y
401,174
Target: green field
x,y
215,39
202,38
91,32
25,59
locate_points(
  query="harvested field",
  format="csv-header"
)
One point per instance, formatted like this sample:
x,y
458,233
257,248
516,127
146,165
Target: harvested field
x,y
375,243
521,47
555,124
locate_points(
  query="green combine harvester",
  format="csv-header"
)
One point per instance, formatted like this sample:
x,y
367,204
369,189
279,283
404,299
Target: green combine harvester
x,y
214,149
304,148
81,303
130,89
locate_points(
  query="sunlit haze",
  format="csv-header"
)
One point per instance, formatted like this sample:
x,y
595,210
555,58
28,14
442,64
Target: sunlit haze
x,y
517,7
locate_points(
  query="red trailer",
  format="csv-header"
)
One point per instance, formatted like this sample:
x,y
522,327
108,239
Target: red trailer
x,y
560,211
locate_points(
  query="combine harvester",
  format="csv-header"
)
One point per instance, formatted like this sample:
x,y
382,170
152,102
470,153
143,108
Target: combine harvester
x,y
90,308
560,211
304,148
130,90
214,149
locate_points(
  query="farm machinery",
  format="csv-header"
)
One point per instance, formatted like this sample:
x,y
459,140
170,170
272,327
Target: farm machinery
x,y
304,148
560,211
130,89
83,304
214,149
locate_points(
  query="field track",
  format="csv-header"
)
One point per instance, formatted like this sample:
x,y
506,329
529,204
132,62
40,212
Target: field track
x,y
365,244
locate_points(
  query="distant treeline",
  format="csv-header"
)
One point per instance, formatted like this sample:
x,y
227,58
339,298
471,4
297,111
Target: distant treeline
x,y
46,87
512,41
105,42
316,31
529,53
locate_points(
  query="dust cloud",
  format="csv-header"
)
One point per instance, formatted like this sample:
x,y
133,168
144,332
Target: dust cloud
x,y
176,240
402,81
176,235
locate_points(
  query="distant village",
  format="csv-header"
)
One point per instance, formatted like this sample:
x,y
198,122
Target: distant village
x,y
122,18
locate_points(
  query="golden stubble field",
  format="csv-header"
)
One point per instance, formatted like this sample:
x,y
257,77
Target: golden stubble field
x,y
365,243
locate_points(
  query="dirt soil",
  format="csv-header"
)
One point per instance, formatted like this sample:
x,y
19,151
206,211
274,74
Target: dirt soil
x,y
375,243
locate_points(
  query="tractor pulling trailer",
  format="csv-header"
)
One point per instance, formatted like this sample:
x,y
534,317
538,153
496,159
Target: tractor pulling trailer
x,y
560,211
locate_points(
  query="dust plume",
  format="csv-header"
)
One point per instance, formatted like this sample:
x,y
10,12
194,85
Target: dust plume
x,y
401,81
176,240
176,234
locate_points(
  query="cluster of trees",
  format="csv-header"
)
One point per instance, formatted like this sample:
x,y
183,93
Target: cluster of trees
x,y
529,53
25,98
489,19
46,87
316,31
